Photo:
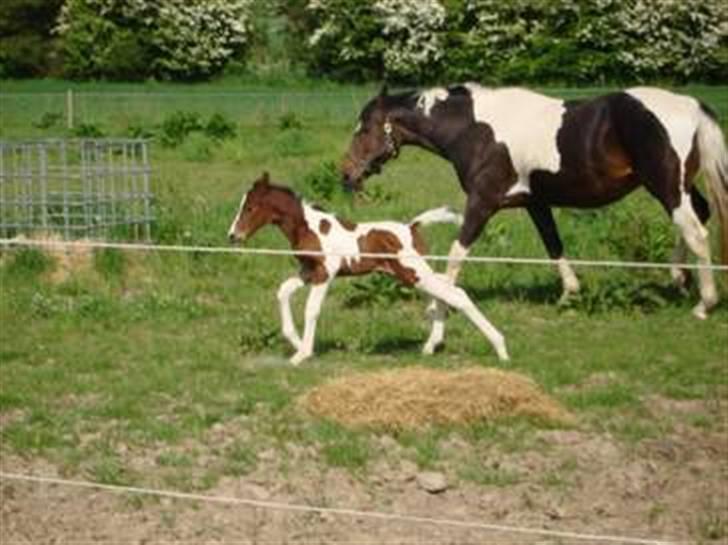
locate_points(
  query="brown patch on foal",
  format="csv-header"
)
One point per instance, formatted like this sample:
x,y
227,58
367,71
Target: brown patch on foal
x,y
313,269
346,224
378,241
417,241
324,227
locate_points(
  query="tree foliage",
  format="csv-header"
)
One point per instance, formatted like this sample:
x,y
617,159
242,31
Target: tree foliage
x,y
26,44
165,39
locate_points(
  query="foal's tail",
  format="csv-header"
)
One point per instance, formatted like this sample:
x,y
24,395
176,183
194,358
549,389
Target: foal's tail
x,y
714,164
444,214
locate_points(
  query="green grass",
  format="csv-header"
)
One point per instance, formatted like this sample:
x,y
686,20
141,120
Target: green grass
x,y
156,351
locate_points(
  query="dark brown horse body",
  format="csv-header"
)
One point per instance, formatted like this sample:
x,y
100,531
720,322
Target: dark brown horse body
x,y
516,148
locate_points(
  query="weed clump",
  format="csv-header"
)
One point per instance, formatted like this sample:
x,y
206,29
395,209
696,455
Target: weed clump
x,y
419,397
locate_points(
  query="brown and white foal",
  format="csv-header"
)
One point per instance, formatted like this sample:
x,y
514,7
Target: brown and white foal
x,y
349,250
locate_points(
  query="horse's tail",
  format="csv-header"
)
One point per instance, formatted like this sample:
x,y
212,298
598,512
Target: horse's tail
x,y
714,164
444,214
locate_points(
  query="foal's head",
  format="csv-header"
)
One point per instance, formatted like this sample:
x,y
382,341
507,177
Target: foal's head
x,y
376,140
262,205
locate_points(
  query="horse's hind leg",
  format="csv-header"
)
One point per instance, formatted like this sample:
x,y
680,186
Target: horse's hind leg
x,y
696,236
680,276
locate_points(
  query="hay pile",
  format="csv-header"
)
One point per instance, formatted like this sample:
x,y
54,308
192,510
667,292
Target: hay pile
x,y
418,397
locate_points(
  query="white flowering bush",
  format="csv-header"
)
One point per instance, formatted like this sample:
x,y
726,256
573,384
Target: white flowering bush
x,y
412,30
594,41
565,41
134,39
364,39
679,39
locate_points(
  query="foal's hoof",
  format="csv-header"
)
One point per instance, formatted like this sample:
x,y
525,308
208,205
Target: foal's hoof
x,y
430,348
298,357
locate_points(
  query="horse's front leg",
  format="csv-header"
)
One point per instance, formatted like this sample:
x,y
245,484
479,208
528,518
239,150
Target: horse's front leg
x,y
478,211
285,292
313,309
543,218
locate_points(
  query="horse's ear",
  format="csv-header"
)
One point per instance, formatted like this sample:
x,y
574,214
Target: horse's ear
x,y
382,94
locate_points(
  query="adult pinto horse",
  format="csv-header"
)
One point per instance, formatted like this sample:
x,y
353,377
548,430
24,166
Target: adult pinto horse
x,y
512,147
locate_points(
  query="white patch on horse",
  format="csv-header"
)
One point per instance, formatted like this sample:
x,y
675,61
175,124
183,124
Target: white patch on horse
x,y
357,129
231,231
430,97
679,114
526,122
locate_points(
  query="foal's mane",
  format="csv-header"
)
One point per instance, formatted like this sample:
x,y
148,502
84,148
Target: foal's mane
x,y
298,198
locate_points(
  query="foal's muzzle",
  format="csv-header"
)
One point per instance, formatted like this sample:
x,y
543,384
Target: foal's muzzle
x,y
235,238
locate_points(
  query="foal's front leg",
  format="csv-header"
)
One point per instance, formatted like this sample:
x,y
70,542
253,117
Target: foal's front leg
x,y
285,292
313,309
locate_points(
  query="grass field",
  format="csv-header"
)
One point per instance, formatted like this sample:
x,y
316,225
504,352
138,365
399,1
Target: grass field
x,y
122,371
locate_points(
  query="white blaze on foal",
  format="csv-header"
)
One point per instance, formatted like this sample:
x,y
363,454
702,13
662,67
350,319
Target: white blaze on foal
x,y
350,249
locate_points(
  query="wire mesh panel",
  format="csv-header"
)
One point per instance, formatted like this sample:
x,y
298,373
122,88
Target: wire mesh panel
x,y
96,188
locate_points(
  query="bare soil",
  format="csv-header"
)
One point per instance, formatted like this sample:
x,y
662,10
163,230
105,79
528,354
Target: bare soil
x,y
671,488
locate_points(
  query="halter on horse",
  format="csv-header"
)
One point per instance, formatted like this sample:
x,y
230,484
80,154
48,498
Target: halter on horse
x,y
350,249
512,147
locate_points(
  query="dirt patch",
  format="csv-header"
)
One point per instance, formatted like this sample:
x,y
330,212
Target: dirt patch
x,y
420,397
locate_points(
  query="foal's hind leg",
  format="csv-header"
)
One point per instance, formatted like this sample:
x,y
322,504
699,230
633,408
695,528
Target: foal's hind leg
x,y
457,298
313,309
285,292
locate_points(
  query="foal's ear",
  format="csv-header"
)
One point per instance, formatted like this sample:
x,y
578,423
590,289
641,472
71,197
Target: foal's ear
x,y
264,179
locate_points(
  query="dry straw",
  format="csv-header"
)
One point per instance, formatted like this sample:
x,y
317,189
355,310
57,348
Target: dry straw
x,y
419,397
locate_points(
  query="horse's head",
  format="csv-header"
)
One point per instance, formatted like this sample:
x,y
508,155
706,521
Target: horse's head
x,y
255,211
376,140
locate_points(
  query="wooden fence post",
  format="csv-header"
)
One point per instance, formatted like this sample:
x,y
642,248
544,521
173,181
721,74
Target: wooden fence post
x,y
69,109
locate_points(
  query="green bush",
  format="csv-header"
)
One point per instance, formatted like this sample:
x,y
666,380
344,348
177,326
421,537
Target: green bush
x,y
88,130
167,39
220,128
176,126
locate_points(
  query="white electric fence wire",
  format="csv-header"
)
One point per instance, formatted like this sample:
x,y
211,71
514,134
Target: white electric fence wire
x,y
279,252
281,506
